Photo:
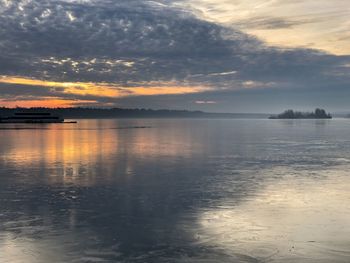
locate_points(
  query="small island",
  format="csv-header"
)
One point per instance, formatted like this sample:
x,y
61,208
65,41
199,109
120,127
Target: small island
x,y
290,114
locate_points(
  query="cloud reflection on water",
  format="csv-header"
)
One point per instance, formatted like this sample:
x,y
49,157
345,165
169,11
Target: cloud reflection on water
x,y
295,218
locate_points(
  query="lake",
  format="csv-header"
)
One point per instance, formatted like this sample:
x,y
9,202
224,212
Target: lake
x,y
175,190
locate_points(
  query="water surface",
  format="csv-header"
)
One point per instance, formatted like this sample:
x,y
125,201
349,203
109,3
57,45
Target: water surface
x,y
175,191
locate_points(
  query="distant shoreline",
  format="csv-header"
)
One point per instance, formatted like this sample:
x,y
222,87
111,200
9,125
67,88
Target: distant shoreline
x,y
120,113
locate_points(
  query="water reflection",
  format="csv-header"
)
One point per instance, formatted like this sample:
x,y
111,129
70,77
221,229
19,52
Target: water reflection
x,y
74,154
175,191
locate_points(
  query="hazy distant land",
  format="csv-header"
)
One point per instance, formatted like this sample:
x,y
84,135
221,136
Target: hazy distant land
x,y
90,113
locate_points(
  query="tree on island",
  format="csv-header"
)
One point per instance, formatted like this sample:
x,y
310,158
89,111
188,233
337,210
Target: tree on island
x,y
290,114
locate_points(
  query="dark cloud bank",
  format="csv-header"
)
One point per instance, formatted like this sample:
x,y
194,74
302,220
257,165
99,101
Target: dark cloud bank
x,y
134,42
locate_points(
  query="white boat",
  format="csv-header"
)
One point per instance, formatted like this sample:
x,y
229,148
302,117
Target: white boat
x,y
32,117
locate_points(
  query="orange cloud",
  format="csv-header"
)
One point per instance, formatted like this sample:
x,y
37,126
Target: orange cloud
x,y
44,102
107,89
101,89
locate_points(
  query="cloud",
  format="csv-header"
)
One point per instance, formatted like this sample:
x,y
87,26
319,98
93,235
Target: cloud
x,y
205,102
105,30
287,23
117,52
267,23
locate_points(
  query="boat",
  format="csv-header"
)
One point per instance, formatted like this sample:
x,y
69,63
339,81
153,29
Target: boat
x,y
32,117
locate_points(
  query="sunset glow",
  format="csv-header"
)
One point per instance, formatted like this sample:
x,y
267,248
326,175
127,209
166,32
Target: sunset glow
x,y
46,103
90,89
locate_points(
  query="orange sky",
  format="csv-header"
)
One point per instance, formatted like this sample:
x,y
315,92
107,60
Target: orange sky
x,y
45,102
105,90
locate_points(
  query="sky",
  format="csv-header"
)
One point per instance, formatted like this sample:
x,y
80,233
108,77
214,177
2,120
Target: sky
x,y
211,55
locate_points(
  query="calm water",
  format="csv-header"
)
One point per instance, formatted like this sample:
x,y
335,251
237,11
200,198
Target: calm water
x,y
175,191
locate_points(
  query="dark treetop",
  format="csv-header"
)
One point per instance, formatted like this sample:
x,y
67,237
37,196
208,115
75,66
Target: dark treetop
x,y
290,114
